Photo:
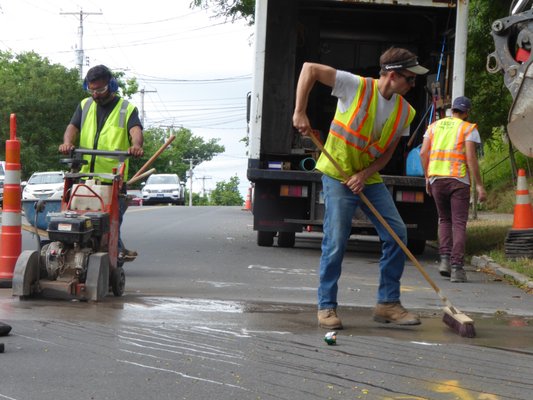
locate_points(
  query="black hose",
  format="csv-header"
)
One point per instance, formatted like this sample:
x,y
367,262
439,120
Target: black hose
x,y
39,208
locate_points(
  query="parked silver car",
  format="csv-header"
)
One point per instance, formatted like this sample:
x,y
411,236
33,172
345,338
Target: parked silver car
x,y
44,185
163,188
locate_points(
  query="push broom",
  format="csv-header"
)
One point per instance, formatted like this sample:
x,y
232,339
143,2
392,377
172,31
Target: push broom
x,y
455,319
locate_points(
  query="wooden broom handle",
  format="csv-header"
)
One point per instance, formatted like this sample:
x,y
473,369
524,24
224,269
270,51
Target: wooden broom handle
x,y
140,176
152,159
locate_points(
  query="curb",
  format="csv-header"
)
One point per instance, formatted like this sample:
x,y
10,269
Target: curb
x,y
488,263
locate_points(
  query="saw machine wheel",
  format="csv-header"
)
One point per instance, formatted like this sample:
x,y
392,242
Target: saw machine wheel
x,y
97,282
118,281
26,274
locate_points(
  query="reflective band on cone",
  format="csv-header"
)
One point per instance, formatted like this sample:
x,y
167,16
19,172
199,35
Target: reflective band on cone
x,y
523,211
11,236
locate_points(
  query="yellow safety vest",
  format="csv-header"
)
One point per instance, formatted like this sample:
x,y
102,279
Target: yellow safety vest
x,y
447,156
350,135
113,136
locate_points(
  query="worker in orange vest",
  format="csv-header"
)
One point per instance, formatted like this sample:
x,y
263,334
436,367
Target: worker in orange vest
x,y
449,160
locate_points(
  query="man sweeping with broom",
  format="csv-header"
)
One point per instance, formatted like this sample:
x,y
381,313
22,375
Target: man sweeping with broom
x,y
370,119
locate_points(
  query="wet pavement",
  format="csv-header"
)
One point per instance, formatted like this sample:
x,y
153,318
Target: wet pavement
x,y
239,322
152,347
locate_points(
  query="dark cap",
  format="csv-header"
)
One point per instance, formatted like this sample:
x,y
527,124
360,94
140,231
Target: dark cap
x,y
410,64
462,104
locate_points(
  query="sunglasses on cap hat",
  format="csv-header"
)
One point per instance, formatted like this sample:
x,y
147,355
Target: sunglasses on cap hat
x,y
410,64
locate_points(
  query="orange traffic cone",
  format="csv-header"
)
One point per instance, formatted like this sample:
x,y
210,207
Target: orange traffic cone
x,y
523,212
248,202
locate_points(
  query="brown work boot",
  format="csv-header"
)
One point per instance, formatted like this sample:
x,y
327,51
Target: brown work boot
x,y
127,255
458,274
328,319
395,313
444,267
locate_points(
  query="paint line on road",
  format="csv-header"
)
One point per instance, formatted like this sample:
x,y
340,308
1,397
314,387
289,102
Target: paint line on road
x,y
247,331
427,344
287,271
221,284
2,396
173,305
226,332
293,289
182,374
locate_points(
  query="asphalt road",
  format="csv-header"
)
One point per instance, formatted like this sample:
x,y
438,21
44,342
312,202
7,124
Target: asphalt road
x,y
208,314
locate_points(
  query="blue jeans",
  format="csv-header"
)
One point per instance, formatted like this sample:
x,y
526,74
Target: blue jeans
x,y
341,204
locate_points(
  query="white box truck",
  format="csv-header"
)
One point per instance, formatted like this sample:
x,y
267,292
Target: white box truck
x,y
347,35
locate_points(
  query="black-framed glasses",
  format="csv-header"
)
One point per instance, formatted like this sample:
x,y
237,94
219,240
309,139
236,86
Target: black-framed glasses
x,y
98,91
409,79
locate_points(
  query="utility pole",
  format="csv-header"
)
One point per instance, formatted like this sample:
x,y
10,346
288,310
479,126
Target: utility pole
x,y
203,178
191,160
143,91
79,51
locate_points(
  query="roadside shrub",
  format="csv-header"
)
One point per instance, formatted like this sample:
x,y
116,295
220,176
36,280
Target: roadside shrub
x,y
496,172
495,163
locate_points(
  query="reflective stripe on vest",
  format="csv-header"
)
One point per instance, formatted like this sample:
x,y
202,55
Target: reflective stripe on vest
x,y
447,156
350,136
113,135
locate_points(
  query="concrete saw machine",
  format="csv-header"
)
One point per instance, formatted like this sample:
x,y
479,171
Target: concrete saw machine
x,y
80,260
513,41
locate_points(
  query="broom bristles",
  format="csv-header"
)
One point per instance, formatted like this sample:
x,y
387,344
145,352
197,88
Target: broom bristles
x,y
459,322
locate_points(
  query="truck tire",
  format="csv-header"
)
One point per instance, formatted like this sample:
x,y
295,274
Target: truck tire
x,y
286,239
416,246
265,239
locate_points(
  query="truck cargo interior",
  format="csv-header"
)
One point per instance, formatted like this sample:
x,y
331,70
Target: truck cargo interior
x,y
347,35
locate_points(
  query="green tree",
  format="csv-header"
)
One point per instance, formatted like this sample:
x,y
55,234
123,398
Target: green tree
x,y
43,96
199,200
232,9
127,86
175,157
226,193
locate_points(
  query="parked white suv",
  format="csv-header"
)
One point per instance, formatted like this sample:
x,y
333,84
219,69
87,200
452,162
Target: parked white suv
x,y
44,185
163,188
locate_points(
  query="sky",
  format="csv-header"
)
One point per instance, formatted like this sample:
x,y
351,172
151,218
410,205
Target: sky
x,y
195,69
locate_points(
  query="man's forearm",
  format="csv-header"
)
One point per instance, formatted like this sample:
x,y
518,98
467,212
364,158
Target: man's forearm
x,y
137,138
70,135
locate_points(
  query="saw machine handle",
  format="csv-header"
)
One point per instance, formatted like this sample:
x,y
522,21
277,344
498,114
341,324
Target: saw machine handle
x,y
121,155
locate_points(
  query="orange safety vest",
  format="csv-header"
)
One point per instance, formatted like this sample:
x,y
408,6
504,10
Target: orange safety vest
x,y
447,156
350,136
